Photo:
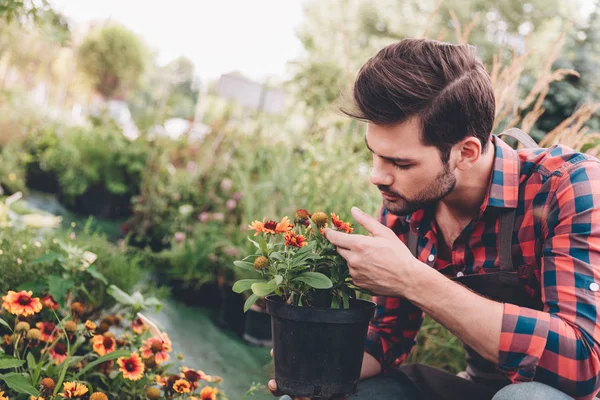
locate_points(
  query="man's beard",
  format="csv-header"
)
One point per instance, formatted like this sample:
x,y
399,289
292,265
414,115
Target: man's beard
x,y
441,186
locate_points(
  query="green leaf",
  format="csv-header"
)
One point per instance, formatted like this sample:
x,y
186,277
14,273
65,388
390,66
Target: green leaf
x,y
35,286
244,284
120,295
63,373
107,357
19,383
153,302
31,363
263,246
3,322
254,243
251,300
345,299
6,363
263,288
93,271
277,280
315,229
276,256
248,266
315,279
59,286
46,258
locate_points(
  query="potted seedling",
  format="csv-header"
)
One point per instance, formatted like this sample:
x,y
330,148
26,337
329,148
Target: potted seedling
x,y
319,326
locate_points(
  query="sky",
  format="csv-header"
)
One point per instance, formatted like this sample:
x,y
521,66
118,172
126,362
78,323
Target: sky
x,y
255,37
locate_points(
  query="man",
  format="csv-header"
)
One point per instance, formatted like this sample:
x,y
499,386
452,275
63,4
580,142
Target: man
x,y
502,247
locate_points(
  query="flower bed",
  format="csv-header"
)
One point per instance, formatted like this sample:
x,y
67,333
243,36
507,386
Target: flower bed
x,y
56,352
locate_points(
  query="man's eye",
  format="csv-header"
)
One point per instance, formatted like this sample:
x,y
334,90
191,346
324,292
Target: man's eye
x,y
402,166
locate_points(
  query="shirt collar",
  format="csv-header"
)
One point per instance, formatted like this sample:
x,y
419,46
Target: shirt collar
x,y
503,187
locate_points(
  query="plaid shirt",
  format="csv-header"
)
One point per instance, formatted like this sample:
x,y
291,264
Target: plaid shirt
x,y
555,248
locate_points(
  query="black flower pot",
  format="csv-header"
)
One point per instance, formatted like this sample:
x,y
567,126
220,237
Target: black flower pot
x,y
318,352
257,329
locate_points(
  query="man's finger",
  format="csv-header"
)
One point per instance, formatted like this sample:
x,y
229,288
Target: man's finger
x,y
341,239
374,227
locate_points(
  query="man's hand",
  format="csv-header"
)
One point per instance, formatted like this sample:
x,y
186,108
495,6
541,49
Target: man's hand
x,y
381,264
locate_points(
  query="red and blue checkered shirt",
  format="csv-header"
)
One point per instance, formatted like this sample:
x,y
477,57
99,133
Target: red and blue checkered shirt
x,y
556,192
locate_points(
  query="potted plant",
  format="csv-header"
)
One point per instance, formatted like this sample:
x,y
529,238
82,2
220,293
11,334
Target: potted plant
x,y
319,326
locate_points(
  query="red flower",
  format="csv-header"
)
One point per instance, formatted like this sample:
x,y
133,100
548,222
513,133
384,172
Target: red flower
x,y
341,225
137,325
59,353
48,330
293,240
132,367
157,347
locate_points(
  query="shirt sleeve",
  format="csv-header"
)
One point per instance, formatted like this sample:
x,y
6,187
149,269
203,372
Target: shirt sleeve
x,y
559,346
392,331
397,321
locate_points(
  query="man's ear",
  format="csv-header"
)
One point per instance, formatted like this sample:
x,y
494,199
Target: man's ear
x,y
468,151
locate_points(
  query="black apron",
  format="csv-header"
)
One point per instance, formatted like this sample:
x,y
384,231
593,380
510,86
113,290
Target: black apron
x,y
482,378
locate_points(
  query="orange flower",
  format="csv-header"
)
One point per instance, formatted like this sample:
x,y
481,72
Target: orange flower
x,y
209,393
2,396
73,389
132,367
103,344
293,240
49,302
182,386
161,380
137,325
90,325
157,347
59,352
21,303
271,227
48,330
341,225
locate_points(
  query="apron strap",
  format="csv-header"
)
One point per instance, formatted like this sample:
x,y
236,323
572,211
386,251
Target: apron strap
x,y
413,243
521,137
507,222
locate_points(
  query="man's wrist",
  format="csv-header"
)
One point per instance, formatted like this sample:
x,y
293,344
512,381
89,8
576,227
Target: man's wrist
x,y
418,281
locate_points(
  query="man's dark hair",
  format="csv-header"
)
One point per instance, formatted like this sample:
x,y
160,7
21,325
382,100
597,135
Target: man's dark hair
x,y
441,83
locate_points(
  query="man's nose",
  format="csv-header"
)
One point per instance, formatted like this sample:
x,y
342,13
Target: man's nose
x,y
380,176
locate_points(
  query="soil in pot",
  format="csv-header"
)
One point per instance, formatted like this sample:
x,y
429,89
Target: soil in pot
x,y
318,352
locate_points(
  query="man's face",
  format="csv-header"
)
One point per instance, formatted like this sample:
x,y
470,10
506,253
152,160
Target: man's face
x,y
409,174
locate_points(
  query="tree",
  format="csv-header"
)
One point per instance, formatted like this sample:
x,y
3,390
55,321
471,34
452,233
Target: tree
x,y
340,35
114,59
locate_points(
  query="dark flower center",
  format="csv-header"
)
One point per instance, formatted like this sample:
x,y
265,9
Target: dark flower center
x,y
191,376
49,328
271,225
130,366
24,300
60,349
107,342
157,347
